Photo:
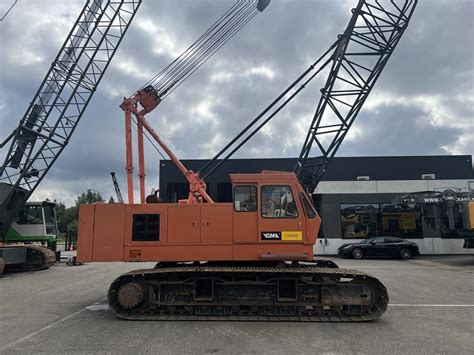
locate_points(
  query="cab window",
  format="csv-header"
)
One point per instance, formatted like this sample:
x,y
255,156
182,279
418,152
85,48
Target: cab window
x,y
245,198
308,208
278,202
49,215
31,214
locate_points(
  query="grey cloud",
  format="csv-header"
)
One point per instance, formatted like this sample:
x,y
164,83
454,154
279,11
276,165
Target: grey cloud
x,y
399,130
434,58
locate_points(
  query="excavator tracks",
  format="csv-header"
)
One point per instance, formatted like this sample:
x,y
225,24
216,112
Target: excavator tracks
x,y
37,258
305,293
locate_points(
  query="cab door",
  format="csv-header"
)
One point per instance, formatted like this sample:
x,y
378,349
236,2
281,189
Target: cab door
x,y
280,220
245,214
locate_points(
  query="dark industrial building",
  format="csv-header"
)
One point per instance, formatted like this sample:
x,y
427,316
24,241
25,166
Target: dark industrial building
x,y
357,196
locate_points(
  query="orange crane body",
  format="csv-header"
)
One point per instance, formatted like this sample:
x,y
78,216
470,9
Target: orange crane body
x,y
251,259
205,231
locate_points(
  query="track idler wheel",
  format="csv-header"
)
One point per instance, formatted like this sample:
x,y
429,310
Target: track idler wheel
x,y
131,294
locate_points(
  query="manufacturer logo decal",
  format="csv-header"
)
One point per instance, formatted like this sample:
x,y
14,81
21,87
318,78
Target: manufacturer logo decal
x,y
294,235
271,235
285,235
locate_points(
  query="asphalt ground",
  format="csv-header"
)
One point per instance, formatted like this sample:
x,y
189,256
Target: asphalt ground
x,y
63,310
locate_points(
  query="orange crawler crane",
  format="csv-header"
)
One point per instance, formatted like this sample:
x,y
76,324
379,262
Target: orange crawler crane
x,y
253,259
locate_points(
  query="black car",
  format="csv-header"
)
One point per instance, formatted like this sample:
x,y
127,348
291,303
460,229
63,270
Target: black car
x,y
380,247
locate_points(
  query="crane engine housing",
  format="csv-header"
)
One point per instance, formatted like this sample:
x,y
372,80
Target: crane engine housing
x,y
271,218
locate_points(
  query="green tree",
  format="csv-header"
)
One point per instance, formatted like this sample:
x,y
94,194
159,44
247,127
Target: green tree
x,y
61,218
68,217
111,200
89,197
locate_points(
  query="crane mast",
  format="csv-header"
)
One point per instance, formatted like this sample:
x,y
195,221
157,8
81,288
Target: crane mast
x,y
53,114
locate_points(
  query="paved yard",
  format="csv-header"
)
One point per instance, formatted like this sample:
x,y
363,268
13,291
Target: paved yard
x,y
63,310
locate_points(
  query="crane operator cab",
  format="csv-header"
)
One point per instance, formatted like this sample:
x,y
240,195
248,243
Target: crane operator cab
x,y
36,222
271,218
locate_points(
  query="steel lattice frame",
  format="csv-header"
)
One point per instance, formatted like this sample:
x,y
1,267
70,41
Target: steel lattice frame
x,y
64,94
364,49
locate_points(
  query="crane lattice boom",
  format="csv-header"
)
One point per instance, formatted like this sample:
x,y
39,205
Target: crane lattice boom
x,y
360,56
353,64
61,99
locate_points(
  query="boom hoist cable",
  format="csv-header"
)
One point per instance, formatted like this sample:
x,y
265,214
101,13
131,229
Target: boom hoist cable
x,y
150,95
354,64
205,46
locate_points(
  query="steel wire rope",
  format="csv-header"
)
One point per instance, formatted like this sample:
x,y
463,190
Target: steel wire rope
x,y
198,65
166,74
189,52
208,47
178,58
215,29
265,111
202,49
154,78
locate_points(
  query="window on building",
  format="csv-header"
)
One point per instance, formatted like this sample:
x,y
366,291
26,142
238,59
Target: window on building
x,y
453,220
146,228
30,215
401,221
175,192
278,202
360,220
245,198
308,208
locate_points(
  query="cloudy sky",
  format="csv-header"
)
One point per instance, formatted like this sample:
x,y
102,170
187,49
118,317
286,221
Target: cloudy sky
x,y
422,105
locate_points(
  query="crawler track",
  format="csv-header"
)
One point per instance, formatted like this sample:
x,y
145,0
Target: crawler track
x,y
38,258
250,293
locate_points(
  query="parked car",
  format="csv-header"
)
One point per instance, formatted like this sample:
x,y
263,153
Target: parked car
x,y
380,247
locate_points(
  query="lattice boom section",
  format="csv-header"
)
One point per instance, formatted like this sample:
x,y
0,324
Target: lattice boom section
x,y
66,91
369,40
